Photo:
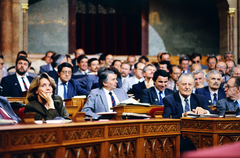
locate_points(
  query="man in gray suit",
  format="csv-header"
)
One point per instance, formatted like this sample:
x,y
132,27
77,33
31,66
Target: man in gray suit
x,y
106,96
232,102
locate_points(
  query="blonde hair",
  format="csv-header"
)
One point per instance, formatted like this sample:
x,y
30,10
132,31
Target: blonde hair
x,y
31,95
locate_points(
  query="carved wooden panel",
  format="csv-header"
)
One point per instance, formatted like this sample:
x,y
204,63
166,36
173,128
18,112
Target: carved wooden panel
x,y
43,154
159,147
33,138
193,137
197,125
83,152
123,149
224,139
228,126
123,131
77,134
158,128
206,141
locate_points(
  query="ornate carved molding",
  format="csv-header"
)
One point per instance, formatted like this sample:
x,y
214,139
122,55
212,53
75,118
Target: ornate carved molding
x,y
19,139
197,125
193,137
117,131
224,139
83,133
159,128
123,149
84,151
206,141
228,126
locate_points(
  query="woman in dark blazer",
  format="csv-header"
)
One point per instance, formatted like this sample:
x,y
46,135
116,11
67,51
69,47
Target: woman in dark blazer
x,y
42,101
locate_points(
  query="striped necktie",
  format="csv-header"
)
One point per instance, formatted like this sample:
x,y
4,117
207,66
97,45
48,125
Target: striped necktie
x,y
214,99
4,116
113,100
186,105
24,83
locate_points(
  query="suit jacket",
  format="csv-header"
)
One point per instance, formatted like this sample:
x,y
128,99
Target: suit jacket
x,y
45,68
128,83
53,74
73,89
173,105
43,113
205,92
226,105
137,89
87,82
11,86
6,106
97,101
150,96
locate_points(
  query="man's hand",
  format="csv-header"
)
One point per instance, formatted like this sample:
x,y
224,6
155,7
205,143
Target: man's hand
x,y
199,111
188,112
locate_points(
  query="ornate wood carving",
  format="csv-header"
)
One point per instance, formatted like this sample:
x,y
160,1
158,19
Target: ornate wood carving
x,y
123,149
228,126
129,130
193,137
159,128
159,147
83,134
44,154
197,125
224,139
206,141
83,152
22,139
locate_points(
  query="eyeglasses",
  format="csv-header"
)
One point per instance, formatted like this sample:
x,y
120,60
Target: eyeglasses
x,y
198,61
228,87
67,72
220,67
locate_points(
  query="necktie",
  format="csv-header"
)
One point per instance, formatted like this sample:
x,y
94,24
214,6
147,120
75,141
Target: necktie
x,y
186,105
113,100
238,110
24,83
175,87
160,96
65,91
214,99
4,116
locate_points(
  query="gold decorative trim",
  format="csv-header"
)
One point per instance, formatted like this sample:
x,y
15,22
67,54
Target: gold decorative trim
x,y
231,11
24,7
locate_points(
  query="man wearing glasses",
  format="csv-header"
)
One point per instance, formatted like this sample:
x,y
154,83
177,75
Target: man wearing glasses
x,y
222,67
196,59
66,86
232,100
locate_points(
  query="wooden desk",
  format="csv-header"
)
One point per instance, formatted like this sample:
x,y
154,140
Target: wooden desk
x,y
18,99
206,132
131,138
76,102
135,108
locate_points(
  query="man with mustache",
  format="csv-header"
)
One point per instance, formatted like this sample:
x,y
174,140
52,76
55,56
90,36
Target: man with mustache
x,y
17,85
213,92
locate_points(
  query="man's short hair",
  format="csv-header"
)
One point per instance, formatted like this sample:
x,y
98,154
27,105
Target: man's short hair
x,y
162,73
115,61
237,81
131,56
128,63
143,57
145,67
186,75
22,58
164,54
167,63
91,60
65,64
228,53
22,52
136,64
171,69
1,56
103,77
195,54
81,57
195,72
49,52
212,57
184,57
233,68
57,59
102,57
213,72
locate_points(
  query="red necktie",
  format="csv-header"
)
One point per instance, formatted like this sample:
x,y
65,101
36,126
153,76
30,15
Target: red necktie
x,y
5,117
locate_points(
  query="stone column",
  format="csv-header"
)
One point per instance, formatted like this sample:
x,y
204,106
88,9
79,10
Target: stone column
x,y
6,29
231,24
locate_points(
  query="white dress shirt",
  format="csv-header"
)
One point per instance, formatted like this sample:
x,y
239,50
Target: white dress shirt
x,y
211,94
109,100
20,81
60,88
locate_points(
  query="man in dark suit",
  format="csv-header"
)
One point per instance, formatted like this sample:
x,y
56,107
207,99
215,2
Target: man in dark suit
x,y
148,72
57,60
78,52
67,87
213,92
17,85
182,102
232,102
48,58
155,95
184,64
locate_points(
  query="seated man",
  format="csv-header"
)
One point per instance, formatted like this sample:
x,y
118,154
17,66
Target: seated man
x,y
211,63
174,72
17,85
106,96
199,79
67,87
125,71
196,59
155,95
48,58
148,72
183,102
82,65
213,92
6,111
232,102
184,63
57,60
93,65
165,65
